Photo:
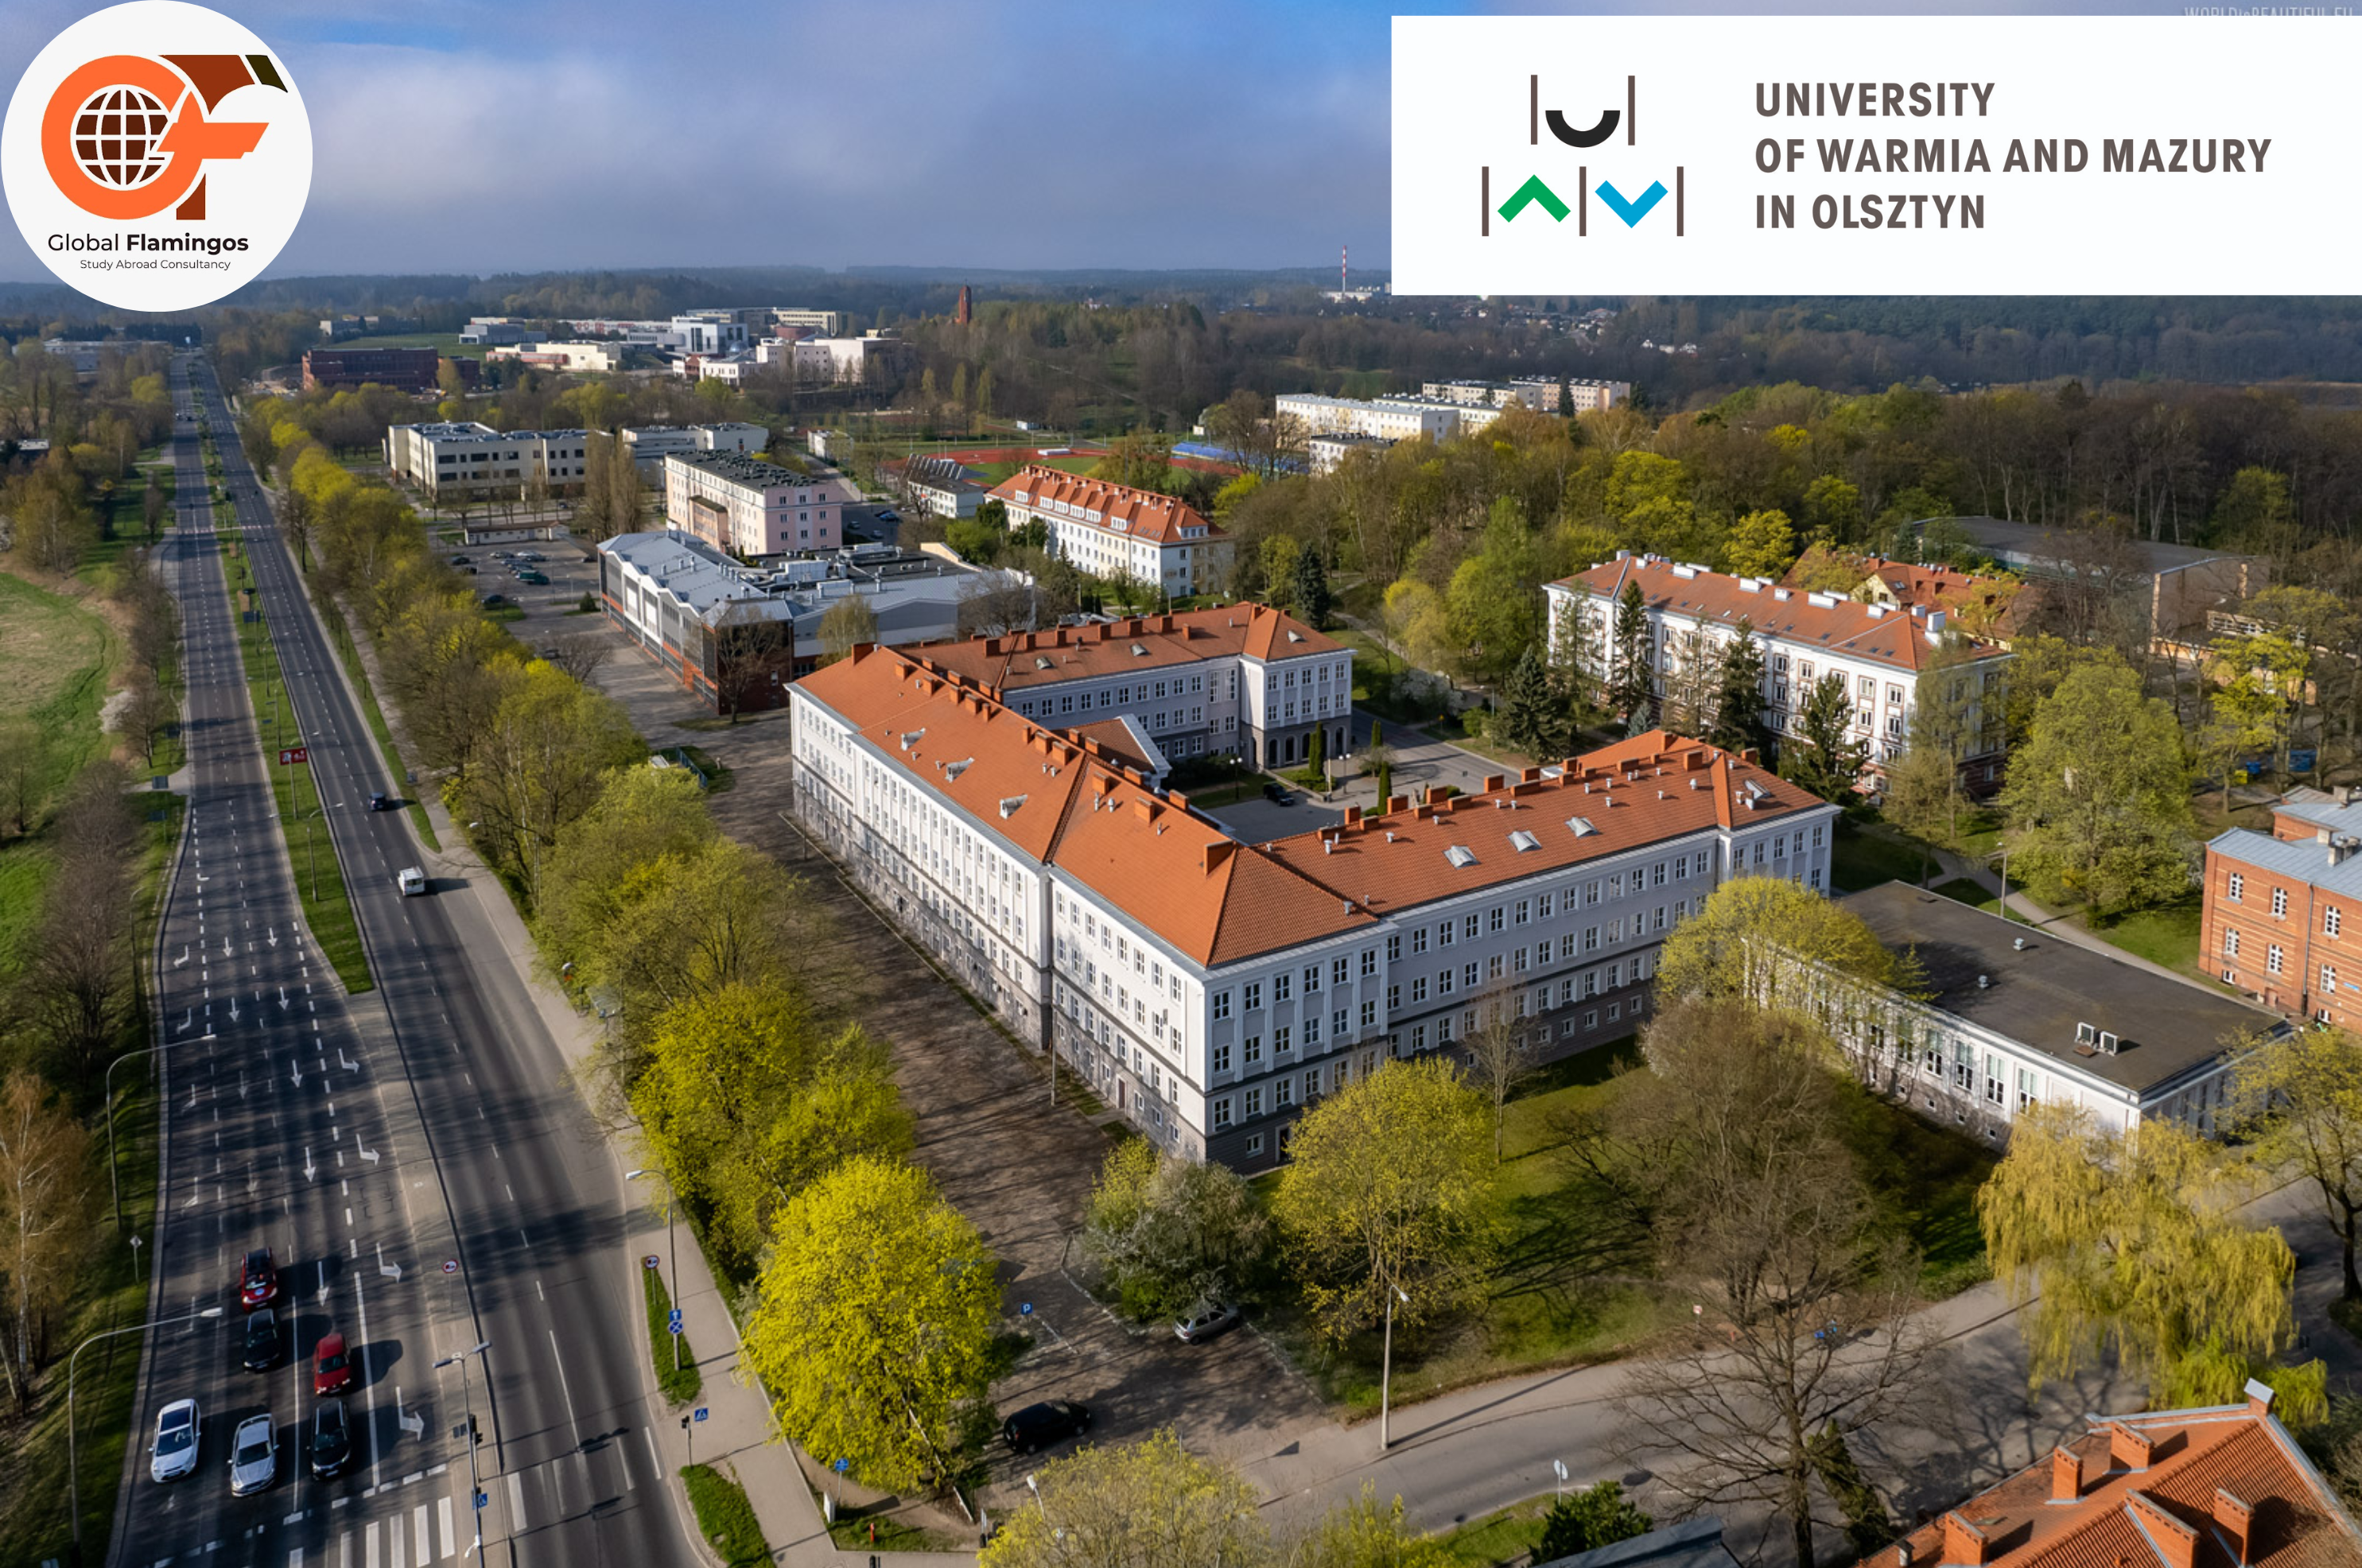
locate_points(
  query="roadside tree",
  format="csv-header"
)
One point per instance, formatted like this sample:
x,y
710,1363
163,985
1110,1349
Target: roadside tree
x,y
2299,1103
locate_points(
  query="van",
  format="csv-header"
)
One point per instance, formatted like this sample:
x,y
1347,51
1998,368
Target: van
x,y
411,881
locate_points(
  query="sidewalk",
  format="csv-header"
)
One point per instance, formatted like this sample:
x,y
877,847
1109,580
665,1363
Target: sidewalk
x,y
2066,928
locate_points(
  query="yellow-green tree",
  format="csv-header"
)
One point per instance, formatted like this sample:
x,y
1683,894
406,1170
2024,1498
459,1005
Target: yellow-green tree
x,y
1761,544
1366,1533
874,1320
2299,1103
2098,800
1752,933
2255,681
1389,1187
1150,1504
2134,1245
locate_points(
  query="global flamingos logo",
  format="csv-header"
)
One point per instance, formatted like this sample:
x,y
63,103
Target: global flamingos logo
x,y
126,137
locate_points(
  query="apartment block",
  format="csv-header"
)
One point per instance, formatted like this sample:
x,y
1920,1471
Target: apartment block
x,y
2282,915
1210,989
1389,419
1540,392
1109,530
652,444
453,460
751,508
403,369
1883,653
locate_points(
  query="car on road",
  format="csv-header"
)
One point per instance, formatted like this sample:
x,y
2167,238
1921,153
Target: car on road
x,y
332,1440
332,1365
173,1454
411,880
502,556
253,1456
257,1280
1204,1321
887,514
1277,795
531,556
378,801
1039,1425
460,560
262,1341
494,600
539,578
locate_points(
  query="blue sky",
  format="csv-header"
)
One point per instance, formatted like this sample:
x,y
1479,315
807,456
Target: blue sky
x,y
521,135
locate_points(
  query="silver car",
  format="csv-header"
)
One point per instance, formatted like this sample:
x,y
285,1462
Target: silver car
x,y
1204,1321
253,1456
174,1452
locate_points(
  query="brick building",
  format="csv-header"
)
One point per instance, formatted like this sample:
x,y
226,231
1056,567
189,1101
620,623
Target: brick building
x,y
2283,909
403,369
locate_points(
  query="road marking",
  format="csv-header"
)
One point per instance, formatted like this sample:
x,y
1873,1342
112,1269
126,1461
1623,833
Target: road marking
x,y
562,1388
516,1504
394,1543
425,1541
449,1536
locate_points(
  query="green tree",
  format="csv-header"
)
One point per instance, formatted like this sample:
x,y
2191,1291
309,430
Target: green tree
x,y
1389,1187
1170,1232
2135,1246
1280,555
2248,709
2097,800
1631,688
1824,755
1833,509
1739,723
845,625
2299,1101
1150,1504
1926,790
1588,1519
1742,944
874,1320
1761,544
1530,719
2256,516
1311,589
1365,1533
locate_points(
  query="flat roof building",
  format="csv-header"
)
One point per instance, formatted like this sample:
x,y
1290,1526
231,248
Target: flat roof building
x,y
457,460
1326,451
747,507
651,443
2172,587
403,369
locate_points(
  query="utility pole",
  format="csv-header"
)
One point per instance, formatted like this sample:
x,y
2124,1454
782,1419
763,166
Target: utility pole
x,y
467,1397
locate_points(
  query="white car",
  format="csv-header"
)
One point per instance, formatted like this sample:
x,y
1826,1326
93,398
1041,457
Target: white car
x,y
173,1454
411,882
253,1456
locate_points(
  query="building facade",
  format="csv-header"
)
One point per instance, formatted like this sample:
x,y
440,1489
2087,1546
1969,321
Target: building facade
x,y
1112,530
1323,453
1211,990
1882,655
652,444
1540,392
461,461
575,358
1389,419
2278,905
403,369
747,507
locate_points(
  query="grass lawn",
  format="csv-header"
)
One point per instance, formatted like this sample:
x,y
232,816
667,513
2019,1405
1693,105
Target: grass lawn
x,y
2167,935
680,1385
1961,890
851,1532
1865,855
725,1516
55,660
444,343
1497,1539
717,778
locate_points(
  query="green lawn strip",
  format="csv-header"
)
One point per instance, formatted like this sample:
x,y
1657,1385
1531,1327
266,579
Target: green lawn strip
x,y
2166,935
680,1387
319,880
1497,1539
1866,854
725,1516
853,1532
1961,890
55,659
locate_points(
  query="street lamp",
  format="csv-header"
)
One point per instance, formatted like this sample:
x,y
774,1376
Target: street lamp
x,y
73,1471
672,1250
113,1184
475,1483
1387,1368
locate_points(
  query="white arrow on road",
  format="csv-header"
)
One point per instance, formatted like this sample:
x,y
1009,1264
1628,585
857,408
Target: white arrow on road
x,y
283,998
183,957
233,1010
297,1073
273,934
311,1171
370,1154
346,1062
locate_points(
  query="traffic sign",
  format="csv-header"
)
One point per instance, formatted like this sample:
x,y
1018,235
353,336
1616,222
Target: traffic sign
x,y
483,1500
841,1465
652,1261
702,1412
451,1265
1025,1308
293,755
673,1321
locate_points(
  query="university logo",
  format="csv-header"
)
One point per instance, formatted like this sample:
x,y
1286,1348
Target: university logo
x,y
156,155
1583,132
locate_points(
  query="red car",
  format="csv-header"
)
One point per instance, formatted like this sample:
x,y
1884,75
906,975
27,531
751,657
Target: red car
x,y
257,1282
332,1368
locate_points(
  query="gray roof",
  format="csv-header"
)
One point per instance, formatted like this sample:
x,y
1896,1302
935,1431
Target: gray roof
x,y
691,571
2037,994
2030,540
2302,860
747,470
1693,1543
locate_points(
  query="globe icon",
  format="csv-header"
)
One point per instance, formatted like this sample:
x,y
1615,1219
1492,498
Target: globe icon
x,y
114,136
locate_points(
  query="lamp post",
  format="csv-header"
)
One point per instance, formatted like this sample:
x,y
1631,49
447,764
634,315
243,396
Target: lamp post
x,y
1387,1367
475,1483
113,1182
672,1250
73,1471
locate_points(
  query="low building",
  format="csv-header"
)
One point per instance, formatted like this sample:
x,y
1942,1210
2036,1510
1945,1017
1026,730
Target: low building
x,y
491,330
828,445
403,369
460,461
1390,419
820,323
1325,452
2275,907
572,357
941,488
1210,989
652,444
2216,1487
2016,1017
86,354
1112,530
2170,587
730,370
747,507
1542,393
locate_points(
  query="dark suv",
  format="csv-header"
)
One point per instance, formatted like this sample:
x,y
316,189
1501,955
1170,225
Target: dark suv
x,y
1039,1425
332,1440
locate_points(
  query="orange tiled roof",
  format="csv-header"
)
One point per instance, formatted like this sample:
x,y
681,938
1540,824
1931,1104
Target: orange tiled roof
x,y
1020,660
2208,1488
1115,738
1178,875
1116,508
1895,638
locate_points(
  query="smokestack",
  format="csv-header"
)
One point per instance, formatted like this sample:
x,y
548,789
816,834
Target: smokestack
x,y
2066,1475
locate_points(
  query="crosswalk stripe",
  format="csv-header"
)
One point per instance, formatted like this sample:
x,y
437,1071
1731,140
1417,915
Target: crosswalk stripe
x,y
424,1537
393,1541
516,1504
295,1558
370,1545
450,1540
345,1550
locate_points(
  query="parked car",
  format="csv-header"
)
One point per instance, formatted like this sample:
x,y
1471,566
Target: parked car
x,y
332,1440
460,560
1204,1321
411,880
493,600
539,578
887,514
531,556
1039,1425
257,1280
1277,795
332,1365
262,1341
469,571
173,1454
378,801
253,1456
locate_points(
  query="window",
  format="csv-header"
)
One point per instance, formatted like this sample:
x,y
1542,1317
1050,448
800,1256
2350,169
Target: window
x,y
1312,1032
2272,957
1252,996
1443,934
2328,979
1254,1139
2027,1096
1468,928
1419,1037
2279,903
1311,979
1222,1114
1283,1092
1369,1015
1524,909
1468,975
1221,1004
2238,886
1419,991
1393,955
2330,921
2230,945
1311,1085
1254,1103
1394,998
1279,992
1341,971
1542,907
1253,1049
1443,982
1280,1043
1419,940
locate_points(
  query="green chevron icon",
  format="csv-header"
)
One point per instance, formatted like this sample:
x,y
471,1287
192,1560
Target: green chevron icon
x,y
1533,190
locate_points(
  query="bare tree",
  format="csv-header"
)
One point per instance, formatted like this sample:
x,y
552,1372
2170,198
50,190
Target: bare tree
x,y
995,604
848,623
46,1200
148,715
1498,1057
77,981
578,655
755,653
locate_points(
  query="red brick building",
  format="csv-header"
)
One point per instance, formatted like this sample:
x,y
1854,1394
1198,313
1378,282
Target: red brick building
x,y
403,369
2283,909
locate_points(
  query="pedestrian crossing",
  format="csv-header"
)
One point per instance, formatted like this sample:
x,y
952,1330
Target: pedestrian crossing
x,y
415,1537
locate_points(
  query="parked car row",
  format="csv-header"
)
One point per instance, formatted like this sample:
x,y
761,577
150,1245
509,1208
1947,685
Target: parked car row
x,y
1050,1422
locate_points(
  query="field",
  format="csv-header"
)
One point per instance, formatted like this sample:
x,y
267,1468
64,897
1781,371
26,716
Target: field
x,y
444,343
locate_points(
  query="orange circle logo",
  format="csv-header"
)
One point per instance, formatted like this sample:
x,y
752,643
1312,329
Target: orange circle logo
x,y
126,137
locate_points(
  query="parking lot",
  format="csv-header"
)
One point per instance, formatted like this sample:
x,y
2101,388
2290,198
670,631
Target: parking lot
x,y
549,609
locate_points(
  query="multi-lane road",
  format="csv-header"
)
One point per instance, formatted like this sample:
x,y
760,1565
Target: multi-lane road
x,y
415,1157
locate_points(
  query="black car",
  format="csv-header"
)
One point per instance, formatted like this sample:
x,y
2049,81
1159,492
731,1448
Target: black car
x,y
1276,794
378,802
1039,1425
494,600
332,1440
458,560
262,1341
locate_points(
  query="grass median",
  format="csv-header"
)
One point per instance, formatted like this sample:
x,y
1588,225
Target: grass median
x,y
725,1516
319,880
681,1384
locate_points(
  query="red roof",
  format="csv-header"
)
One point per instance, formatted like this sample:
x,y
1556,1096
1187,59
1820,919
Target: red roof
x,y
1828,622
1024,660
2206,1488
1116,508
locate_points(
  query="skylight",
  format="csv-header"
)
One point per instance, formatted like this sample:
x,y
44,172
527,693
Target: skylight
x,y
1584,826
1460,855
1525,841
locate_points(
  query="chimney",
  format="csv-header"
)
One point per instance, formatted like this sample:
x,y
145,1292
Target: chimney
x,y
2236,1520
1397,802
1217,853
1936,621
1965,1545
2066,1475
2127,1449
2259,1398
1903,1554
1495,781
1353,815
2177,1544
1529,774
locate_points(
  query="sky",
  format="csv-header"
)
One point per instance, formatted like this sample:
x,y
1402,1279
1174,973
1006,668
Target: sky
x,y
523,135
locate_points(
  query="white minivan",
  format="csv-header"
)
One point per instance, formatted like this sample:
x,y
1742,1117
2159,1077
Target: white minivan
x,y
411,881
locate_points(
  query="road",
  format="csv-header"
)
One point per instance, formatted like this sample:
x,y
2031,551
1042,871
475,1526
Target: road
x,y
428,1126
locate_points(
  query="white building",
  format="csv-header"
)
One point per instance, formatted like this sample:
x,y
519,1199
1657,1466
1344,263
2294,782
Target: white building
x,y
1325,452
706,333
651,443
750,508
1693,614
1389,419
866,360
1210,989
497,329
570,356
823,323
456,460
730,369
1112,530
1540,392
